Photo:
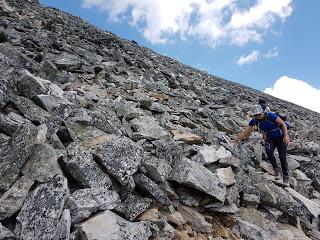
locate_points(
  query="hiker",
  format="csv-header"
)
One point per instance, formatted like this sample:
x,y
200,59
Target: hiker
x,y
275,135
263,103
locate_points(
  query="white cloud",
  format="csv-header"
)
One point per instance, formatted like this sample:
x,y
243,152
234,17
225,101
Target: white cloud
x,y
252,57
215,22
272,53
296,91
256,55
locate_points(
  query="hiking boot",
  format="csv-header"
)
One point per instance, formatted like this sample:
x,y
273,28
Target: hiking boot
x,y
277,174
286,181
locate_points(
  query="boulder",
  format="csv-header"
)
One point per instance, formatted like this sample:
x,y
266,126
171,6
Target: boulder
x,y
30,85
42,163
211,154
12,200
83,202
110,224
80,165
146,127
30,110
226,176
63,229
157,169
312,207
120,156
133,206
251,224
40,214
197,221
147,185
15,154
68,62
197,176
10,122
6,234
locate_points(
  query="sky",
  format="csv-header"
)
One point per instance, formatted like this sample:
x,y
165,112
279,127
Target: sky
x,y
269,45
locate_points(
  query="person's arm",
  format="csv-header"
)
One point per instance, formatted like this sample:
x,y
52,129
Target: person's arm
x,y
284,129
244,134
264,136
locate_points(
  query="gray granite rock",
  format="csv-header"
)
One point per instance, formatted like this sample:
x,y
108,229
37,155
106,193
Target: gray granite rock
x,y
63,229
12,200
146,127
5,233
197,176
81,166
211,154
15,154
40,214
30,110
42,163
67,62
197,221
157,169
120,156
47,102
30,85
252,225
133,206
114,227
147,185
10,122
84,202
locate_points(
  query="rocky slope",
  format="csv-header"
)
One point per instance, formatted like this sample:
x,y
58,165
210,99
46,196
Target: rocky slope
x,y
101,138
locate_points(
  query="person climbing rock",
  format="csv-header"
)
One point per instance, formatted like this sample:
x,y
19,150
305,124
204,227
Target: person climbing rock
x,y
263,103
275,135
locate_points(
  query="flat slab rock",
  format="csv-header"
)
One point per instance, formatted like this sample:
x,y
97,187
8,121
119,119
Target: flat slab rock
x,y
40,214
84,169
12,200
195,175
83,202
22,141
120,156
109,226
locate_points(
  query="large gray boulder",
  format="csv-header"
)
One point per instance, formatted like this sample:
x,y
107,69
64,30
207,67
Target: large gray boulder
x,y
80,165
120,156
252,225
12,200
30,110
147,185
210,154
30,85
68,62
40,215
83,202
5,233
108,225
10,122
63,229
42,163
11,61
15,154
197,176
147,127
133,206
157,169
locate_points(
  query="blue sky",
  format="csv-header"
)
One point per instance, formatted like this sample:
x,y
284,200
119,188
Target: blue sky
x,y
269,45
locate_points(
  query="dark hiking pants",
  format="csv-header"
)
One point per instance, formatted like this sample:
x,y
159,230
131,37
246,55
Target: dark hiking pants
x,y
271,145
